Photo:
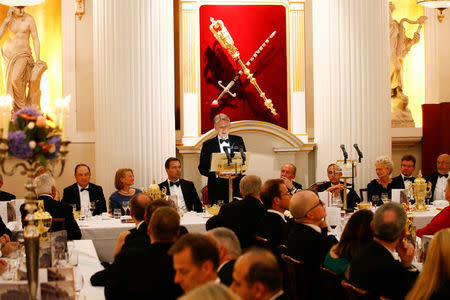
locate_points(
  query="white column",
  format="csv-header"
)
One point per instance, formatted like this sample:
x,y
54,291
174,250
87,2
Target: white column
x,y
351,82
134,88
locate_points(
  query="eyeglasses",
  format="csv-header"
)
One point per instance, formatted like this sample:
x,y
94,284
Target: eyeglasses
x,y
318,204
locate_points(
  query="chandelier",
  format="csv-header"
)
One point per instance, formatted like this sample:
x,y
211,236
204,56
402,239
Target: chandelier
x,y
440,5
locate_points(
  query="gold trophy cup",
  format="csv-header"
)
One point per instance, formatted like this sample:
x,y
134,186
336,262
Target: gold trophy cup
x,y
420,188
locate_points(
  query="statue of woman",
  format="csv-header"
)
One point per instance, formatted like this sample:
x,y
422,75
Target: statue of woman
x,y
19,69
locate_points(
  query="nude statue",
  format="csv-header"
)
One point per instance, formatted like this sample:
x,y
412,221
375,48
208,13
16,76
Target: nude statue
x,y
400,46
19,69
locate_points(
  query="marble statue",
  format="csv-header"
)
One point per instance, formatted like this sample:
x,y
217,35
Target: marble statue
x,y
400,46
20,72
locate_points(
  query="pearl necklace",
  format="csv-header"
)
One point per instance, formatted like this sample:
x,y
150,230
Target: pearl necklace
x,y
123,192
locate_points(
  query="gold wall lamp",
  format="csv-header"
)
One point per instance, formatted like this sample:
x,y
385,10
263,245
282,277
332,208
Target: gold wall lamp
x,y
440,5
79,9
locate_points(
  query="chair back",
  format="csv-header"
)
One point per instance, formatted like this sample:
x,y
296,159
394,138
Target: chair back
x,y
361,194
331,284
58,224
294,278
262,242
354,293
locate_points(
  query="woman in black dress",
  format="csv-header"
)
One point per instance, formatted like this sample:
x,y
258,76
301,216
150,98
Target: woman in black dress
x,y
377,187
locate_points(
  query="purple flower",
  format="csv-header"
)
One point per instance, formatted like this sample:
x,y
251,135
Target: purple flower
x,y
55,142
29,111
17,144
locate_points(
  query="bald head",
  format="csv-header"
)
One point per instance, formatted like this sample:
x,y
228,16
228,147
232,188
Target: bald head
x,y
138,204
443,164
306,207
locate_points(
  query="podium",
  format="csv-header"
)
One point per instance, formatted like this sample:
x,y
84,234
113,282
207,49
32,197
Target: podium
x,y
348,170
229,166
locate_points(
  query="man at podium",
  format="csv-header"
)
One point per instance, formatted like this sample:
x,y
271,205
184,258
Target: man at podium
x,y
218,187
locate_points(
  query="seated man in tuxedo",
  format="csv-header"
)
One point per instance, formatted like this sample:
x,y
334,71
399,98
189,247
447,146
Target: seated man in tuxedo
x,y
195,260
376,269
276,198
407,167
439,178
185,190
146,272
336,187
288,172
46,191
83,192
242,216
307,238
257,276
229,250
5,196
218,187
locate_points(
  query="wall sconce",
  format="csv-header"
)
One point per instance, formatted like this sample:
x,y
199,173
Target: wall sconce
x,y
440,5
79,9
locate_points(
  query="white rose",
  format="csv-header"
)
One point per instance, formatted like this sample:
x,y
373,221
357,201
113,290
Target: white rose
x,y
32,144
31,125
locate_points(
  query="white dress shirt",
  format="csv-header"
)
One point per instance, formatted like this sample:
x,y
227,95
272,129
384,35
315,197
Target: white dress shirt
x,y
84,198
278,213
176,190
315,227
221,145
440,187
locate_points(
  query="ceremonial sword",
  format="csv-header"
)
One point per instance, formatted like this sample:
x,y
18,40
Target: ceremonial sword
x,y
227,89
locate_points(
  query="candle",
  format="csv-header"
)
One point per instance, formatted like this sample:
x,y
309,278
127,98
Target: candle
x,y
64,116
5,113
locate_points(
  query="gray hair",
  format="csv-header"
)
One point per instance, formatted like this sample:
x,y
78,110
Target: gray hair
x,y
228,239
211,291
220,117
44,184
386,161
250,185
389,230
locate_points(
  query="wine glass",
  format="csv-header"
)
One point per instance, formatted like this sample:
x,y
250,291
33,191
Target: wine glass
x,y
125,206
384,197
92,207
375,200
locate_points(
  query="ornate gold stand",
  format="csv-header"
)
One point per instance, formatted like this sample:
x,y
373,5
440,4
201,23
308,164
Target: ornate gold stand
x,y
420,188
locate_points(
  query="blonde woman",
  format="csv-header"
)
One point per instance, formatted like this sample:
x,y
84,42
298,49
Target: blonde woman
x,y
383,167
211,291
434,281
123,181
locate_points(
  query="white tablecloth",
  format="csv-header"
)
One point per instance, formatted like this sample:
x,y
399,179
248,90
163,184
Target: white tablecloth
x,y
88,264
104,233
421,219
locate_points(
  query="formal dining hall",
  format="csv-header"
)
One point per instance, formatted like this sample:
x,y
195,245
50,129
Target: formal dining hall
x,y
222,150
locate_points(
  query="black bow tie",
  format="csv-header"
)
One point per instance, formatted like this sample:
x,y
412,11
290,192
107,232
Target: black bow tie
x,y
408,178
443,175
224,141
174,183
84,189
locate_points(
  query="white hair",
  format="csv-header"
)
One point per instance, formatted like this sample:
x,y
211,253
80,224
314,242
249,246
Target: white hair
x,y
386,161
220,117
228,239
44,184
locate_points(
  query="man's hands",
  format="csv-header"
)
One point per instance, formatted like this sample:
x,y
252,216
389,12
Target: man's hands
x,y
336,190
288,183
406,252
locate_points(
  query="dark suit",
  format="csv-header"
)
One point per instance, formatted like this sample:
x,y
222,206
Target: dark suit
x,y
143,273
71,195
399,183
137,238
59,210
218,187
242,217
271,227
352,196
226,272
309,246
433,178
5,196
190,195
4,229
297,185
376,271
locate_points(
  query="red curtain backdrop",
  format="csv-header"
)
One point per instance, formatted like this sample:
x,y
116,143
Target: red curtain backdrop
x,y
249,26
436,134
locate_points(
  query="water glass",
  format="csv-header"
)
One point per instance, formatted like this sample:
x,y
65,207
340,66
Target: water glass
x,y
125,206
384,197
73,258
220,203
375,200
117,213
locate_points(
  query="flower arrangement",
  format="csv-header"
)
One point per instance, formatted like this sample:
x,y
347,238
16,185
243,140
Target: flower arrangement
x,y
31,136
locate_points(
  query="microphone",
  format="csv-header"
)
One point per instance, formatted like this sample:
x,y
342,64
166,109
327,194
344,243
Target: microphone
x,y
227,153
241,150
345,153
360,155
